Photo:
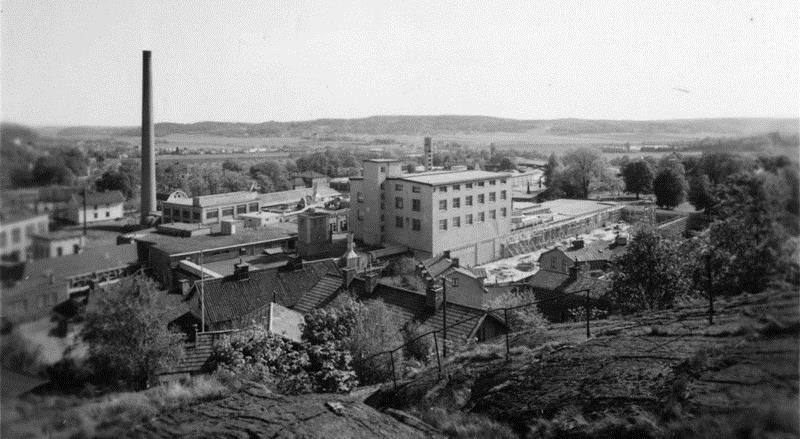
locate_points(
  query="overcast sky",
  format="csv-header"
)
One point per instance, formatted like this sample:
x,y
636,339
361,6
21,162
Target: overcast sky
x,y
70,62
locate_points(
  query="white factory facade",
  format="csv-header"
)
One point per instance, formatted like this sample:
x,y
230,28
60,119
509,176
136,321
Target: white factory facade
x,y
464,212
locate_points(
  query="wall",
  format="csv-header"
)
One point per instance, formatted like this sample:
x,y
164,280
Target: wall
x,y
95,213
43,248
16,237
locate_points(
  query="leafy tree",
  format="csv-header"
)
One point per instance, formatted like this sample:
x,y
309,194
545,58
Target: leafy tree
x,y
271,176
324,334
126,331
638,177
231,165
669,187
701,193
49,170
584,166
551,170
507,164
650,274
375,330
74,160
125,179
720,166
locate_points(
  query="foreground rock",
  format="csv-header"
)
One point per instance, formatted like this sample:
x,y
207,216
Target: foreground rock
x,y
258,413
664,373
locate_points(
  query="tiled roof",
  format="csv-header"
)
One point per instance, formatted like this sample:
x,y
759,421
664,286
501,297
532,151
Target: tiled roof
x,y
596,251
58,194
407,305
108,197
323,266
548,280
229,299
596,287
320,295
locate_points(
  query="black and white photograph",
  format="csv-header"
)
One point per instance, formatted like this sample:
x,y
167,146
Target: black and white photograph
x,y
416,219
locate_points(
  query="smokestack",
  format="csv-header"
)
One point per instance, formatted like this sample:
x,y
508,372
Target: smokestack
x,y
148,194
428,154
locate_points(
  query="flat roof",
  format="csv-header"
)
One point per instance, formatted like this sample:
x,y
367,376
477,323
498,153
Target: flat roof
x,y
382,160
59,234
175,245
450,177
564,208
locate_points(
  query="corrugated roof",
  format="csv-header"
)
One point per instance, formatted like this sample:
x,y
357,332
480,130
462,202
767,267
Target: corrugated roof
x,y
451,177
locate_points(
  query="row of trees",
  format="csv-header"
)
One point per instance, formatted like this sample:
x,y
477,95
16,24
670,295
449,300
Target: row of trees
x,y
577,174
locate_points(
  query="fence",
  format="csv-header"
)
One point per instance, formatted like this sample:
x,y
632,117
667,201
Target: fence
x,y
505,311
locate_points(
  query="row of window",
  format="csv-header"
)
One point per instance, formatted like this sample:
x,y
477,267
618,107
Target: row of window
x,y
469,219
16,233
228,211
468,200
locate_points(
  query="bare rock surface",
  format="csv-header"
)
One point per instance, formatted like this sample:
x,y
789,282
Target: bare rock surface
x,y
255,412
670,363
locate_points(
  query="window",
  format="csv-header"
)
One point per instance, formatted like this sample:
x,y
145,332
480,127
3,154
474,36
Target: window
x,y
227,212
108,214
252,207
212,214
415,189
415,225
503,181
481,198
95,215
59,251
3,239
398,222
492,196
442,188
360,214
492,182
502,195
492,214
469,185
481,184
30,229
415,205
503,212
398,187
360,197
468,219
383,205
42,227
95,207
457,221
481,217
383,169
443,224
242,208
456,203
442,204
468,200
185,214
196,216
398,202
456,187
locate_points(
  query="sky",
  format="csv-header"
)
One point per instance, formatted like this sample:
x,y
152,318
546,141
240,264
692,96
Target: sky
x,y
79,62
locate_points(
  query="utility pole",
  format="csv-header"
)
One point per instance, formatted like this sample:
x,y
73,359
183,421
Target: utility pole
x,y
84,211
202,295
708,289
444,315
588,314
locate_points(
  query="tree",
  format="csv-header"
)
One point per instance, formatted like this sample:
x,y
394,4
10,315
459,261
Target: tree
x,y
125,179
638,177
507,164
551,169
583,167
126,331
669,187
271,176
650,274
701,193
48,170
231,165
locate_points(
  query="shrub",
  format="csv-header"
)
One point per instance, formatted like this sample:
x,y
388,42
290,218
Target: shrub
x,y
20,355
375,330
416,347
456,424
519,319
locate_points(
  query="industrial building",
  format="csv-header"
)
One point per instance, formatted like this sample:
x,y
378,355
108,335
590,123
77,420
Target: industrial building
x,y
465,212
16,234
98,206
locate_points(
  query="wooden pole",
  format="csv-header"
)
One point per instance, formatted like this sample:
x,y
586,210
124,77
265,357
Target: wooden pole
x,y
444,316
508,329
588,315
438,361
710,292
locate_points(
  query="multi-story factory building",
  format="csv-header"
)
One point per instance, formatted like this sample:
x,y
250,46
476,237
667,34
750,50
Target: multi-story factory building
x,y
465,212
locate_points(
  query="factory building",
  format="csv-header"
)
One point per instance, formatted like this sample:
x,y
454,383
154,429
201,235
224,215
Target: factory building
x,y
465,212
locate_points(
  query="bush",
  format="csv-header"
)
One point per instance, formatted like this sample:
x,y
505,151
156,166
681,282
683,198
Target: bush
x,y
375,330
416,347
519,319
20,355
456,424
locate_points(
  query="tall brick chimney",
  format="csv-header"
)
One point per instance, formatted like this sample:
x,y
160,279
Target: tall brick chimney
x,y
148,194
428,154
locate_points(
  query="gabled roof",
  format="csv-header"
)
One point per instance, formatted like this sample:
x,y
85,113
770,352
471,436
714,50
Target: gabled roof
x,y
547,280
320,295
108,197
441,266
407,306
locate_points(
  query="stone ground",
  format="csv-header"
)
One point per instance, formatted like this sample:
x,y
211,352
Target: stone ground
x,y
672,365
255,412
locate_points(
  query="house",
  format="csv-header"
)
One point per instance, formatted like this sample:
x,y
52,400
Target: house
x,y
465,212
17,229
38,285
98,206
558,293
596,256
308,179
463,286
208,209
57,244
464,323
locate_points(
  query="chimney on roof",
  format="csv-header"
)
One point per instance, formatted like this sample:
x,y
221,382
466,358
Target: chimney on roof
x,y
428,154
446,254
455,262
184,286
148,193
347,276
370,282
578,243
575,270
241,271
433,298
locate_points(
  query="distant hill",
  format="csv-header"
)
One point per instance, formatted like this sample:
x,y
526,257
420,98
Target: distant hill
x,y
433,125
